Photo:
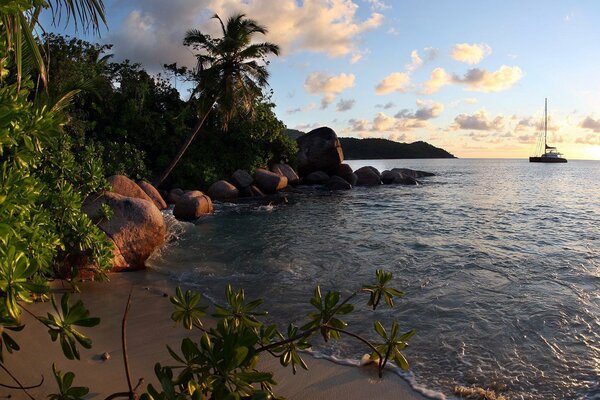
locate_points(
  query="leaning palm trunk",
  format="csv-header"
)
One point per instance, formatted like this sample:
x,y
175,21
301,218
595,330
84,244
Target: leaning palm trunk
x,y
159,180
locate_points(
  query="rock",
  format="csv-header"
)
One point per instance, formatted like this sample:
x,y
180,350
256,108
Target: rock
x,y
367,176
395,177
105,356
413,173
223,191
241,179
269,182
353,179
136,227
174,195
251,191
344,171
288,172
338,183
154,195
316,178
192,205
319,150
126,187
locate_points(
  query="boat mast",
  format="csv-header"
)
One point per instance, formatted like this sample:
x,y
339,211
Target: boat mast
x,y
545,123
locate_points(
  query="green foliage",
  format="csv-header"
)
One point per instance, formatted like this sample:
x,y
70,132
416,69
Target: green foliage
x,y
222,364
381,289
65,386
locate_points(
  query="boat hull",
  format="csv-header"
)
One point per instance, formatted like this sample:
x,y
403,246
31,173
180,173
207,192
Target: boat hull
x,y
548,159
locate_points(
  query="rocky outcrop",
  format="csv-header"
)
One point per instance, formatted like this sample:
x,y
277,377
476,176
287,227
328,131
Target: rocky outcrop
x,y
345,172
337,183
126,187
316,178
136,227
241,179
153,193
192,205
395,177
413,173
368,176
269,182
174,195
319,150
288,172
223,191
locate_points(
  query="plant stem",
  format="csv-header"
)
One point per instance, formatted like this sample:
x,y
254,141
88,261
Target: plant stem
x,y
23,388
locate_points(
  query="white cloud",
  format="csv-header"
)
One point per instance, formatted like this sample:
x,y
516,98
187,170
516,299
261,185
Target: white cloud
x,y
386,106
426,110
590,123
439,77
383,122
470,53
415,62
328,85
476,79
395,82
479,121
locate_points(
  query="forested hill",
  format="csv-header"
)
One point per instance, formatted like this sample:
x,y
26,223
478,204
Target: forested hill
x,y
374,149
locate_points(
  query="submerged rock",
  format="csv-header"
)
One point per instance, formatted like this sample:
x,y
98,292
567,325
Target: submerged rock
x,y
316,178
319,150
192,205
337,183
136,227
153,193
368,176
269,182
223,191
413,173
345,172
395,177
288,172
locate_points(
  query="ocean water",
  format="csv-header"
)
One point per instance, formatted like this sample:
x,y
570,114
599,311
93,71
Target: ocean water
x,y
499,261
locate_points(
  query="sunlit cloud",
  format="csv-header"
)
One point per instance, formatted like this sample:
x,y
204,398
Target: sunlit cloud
x,y
328,85
416,61
386,106
439,77
345,105
393,31
395,82
476,79
426,110
383,122
471,53
378,5
479,121
308,107
591,124
589,139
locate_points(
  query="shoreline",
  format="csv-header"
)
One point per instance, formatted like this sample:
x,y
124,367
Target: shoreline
x,y
149,330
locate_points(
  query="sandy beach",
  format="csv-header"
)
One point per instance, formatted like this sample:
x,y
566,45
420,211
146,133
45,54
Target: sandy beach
x,y
149,329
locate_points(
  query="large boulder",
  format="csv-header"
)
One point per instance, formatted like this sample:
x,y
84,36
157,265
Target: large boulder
x,y
251,191
153,193
241,179
269,182
319,150
316,178
395,177
337,183
288,172
126,187
368,176
174,195
192,205
344,171
413,173
223,191
136,226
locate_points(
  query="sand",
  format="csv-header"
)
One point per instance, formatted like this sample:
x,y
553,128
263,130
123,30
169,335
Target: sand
x,y
149,329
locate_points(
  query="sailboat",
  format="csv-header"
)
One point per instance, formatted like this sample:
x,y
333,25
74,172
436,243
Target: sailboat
x,y
550,154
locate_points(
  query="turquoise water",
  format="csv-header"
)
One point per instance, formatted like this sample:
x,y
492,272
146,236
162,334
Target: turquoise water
x,y
499,260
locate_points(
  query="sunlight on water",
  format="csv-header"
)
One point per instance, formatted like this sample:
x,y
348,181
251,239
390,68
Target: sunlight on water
x,y
499,260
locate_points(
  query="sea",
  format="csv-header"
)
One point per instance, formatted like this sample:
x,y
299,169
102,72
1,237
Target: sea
x,y
499,260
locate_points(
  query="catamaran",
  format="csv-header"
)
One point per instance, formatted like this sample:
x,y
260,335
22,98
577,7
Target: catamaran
x,y
550,154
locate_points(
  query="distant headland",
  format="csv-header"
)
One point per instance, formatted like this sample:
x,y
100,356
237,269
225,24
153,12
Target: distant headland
x,y
380,149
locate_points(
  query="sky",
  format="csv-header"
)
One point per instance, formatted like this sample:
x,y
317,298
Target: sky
x,y
467,76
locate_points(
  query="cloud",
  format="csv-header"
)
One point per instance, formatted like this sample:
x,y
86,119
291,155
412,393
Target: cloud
x,y
589,139
431,53
152,32
358,125
476,79
386,106
308,107
416,61
383,122
345,105
479,121
394,82
378,5
591,123
426,110
439,77
328,85
393,31
470,53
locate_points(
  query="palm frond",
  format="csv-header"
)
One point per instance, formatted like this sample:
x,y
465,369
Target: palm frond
x,y
87,13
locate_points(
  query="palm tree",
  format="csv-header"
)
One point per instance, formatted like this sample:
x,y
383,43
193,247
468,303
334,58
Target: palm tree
x,y
230,73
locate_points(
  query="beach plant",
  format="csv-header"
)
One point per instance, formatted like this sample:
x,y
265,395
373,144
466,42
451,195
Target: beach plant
x,y
222,363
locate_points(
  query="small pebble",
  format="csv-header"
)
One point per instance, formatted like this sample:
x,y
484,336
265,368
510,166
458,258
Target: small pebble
x,y
105,356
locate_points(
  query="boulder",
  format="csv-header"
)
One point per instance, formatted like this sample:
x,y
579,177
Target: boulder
x,y
344,171
192,205
269,182
223,191
319,150
395,177
174,195
367,176
126,187
316,178
154,195
251,191
413,173
136,227
241,179
338,183
288,172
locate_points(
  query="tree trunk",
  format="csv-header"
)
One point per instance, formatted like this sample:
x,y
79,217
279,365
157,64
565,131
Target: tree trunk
x,y
159,180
